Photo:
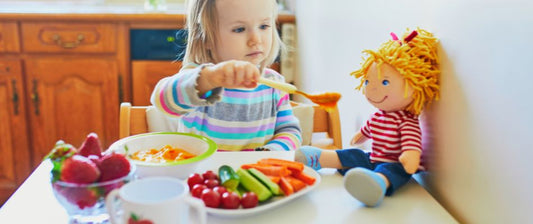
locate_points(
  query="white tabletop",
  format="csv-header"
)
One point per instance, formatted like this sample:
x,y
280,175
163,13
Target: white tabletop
x,y
34,202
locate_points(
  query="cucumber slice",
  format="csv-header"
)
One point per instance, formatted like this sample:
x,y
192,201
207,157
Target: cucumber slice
x,y
228,178
273,187
252,184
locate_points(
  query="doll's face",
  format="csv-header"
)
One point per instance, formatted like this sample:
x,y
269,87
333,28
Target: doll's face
x,y
386,91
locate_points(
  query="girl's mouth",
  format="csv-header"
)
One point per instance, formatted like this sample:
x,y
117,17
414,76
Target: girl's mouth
x,y
254,54
381,101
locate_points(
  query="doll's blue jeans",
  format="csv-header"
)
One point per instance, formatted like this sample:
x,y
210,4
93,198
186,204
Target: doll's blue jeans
x,y
394,172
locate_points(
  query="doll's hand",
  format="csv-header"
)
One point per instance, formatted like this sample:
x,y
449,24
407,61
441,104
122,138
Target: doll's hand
x,y
410,160
358,138
231,74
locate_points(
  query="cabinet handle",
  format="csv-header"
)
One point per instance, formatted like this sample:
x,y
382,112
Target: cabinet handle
x,y
15,97
35,97
68,45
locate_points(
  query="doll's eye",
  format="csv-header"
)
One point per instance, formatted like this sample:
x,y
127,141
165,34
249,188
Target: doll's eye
x,y
385,82
366,82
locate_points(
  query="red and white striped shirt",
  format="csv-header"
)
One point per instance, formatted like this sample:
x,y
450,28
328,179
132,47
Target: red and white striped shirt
x,y
392,133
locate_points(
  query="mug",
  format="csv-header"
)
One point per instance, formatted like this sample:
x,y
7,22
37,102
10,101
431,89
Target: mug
x,y
158,200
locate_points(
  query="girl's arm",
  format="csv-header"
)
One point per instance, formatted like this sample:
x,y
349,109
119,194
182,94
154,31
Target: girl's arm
x,y
287,134
178,94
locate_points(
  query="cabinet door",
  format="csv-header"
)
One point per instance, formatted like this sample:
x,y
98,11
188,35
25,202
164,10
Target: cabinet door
x,y
69,98
146,74
14,151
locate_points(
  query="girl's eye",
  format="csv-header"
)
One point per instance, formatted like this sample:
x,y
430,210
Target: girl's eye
x,y
385,82
264,27
366,82
238,30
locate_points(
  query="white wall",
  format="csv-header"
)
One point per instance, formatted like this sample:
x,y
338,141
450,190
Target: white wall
x,y
479,133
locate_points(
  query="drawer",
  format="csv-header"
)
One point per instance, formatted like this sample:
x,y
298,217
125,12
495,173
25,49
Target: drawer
x,y
10,67
69,37
9,39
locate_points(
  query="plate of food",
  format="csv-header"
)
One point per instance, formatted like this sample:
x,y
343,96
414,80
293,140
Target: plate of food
x,y
273,181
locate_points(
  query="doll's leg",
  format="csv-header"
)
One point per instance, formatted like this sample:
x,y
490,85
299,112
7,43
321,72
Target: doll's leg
x,y
365,185
395,175
317,158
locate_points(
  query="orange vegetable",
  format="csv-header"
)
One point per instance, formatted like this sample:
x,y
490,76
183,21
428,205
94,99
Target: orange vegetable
x,y
295,183
286,186
274,179
269,169
309,180
291,165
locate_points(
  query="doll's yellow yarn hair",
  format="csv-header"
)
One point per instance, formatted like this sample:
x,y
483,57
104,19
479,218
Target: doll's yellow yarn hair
x,y
415,59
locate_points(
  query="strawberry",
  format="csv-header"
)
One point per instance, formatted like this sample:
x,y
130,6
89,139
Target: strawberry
x,y
91,146
82,197
59,153
113,165
80,170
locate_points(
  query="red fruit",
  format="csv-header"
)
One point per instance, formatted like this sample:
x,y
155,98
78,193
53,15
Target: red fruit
x,y
61,151
211,198
197,190
249,200
91,146
80,170
211,183
134,219
220,189
194,178
113,165
230,200
209,175
82,197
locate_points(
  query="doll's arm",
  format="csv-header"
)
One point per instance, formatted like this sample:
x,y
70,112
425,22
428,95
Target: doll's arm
x,y
358,138
410,160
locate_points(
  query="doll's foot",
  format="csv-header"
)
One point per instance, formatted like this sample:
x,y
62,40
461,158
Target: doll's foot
x,y
365,185
309,156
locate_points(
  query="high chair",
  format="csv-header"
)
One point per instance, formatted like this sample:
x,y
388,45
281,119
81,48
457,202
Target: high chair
x,y
134,120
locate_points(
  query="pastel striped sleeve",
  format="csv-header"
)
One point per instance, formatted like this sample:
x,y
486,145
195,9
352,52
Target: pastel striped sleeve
x,y
287,134
177,95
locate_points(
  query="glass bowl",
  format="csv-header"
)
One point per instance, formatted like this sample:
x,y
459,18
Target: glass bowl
x,y
85,203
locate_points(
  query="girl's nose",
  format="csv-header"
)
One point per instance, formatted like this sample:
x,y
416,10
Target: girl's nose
x,y
254,38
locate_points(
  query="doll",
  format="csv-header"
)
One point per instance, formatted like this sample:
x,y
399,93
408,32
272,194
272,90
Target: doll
x,y
399,79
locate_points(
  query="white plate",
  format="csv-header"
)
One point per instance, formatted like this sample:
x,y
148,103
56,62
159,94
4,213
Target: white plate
x,y
271,203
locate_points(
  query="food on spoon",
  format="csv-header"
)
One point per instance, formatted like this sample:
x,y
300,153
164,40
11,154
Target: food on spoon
x,y
80,170
91,146
163,155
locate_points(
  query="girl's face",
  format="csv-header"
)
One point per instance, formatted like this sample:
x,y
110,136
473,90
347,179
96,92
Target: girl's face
x,y
386,90
245,30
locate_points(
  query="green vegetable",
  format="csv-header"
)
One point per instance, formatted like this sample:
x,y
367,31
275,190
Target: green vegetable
x,y
254,185
273,187
228,178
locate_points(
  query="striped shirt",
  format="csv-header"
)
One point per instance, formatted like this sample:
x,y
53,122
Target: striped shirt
x,y
236,119
392,133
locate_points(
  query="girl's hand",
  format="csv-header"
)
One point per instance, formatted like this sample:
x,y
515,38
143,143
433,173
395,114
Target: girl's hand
x,y
410,160
229,74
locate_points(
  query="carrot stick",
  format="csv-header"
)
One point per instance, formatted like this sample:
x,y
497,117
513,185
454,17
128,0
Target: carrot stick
x,y
269,169
293,166
309,180
286,186
274,179
296,183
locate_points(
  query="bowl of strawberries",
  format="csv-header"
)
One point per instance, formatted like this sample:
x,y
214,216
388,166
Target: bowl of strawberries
x,y
82,177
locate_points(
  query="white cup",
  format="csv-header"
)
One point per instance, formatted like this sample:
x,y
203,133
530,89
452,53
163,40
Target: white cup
x,y
157,199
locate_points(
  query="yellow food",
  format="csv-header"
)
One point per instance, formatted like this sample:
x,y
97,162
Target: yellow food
x,y
163,155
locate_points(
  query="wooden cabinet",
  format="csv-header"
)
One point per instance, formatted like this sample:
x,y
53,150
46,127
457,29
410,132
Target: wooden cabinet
x,y
14,150
146,74
69,98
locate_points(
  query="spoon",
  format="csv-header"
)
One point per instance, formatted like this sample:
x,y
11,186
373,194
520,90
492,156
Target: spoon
x,y
327,100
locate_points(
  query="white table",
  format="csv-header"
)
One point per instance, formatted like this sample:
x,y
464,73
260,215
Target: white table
x,y
34,202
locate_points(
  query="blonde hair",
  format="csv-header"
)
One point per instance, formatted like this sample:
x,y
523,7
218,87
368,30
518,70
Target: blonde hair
x,y
202,26
415,59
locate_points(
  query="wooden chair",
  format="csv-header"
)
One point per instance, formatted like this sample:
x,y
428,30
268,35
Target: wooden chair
x,y
133,121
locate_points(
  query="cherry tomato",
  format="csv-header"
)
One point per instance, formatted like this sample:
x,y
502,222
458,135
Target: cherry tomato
x,y
194,178
220,189
249,200
211,183
197,189
230,200
211,198
209,175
